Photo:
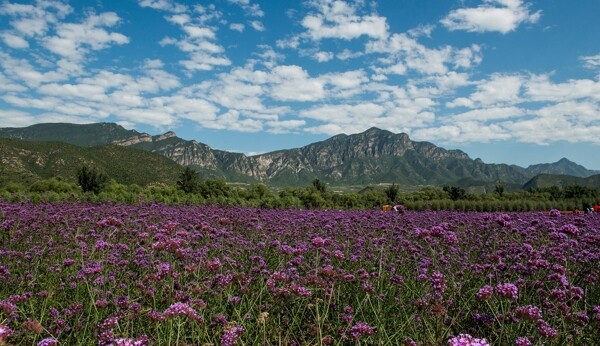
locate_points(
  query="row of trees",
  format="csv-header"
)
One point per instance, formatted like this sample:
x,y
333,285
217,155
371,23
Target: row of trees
x,y
93,185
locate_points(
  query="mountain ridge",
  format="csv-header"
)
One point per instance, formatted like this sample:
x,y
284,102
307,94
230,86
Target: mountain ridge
x,y
372,156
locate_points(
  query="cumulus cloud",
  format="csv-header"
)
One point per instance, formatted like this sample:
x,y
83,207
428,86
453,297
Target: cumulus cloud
x,y
257,25
323,56
250,9
338,19
73,41
499,89
493,15
164,5
237,27
566,121
199,40
284,126
541,88
34,20
406,53
14,41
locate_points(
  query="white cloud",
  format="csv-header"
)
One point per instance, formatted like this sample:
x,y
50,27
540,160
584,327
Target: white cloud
x,y
567,121
34,20
232,121
237,27
348,54
20,70
163,5
74,41
591,61
467,57
15,118
338,19
201,61
323,56
487,114
14,41
489,17
540,88
406,53
463,132
292,83
250,9
284,126
198,40
7,85
498,90
257,25
85,91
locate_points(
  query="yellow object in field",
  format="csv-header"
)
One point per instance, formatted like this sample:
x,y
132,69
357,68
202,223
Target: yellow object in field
x,y
387,207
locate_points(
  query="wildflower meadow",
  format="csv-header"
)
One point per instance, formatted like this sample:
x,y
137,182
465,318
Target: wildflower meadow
x,y
75,273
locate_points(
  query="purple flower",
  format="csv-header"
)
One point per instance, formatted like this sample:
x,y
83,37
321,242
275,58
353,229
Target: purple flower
x,y
182,309
545,330
467,340
234,299
318,242
141,341
569,229
529,312
5,332
48,342
438,282
554,212
232,332
213,264
507,290
301,290
486,292
523,341
360,329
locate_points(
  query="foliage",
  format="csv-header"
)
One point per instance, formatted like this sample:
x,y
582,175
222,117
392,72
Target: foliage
x,y
499,189
91,179
319,185
53,159
392,193
455,193
189,181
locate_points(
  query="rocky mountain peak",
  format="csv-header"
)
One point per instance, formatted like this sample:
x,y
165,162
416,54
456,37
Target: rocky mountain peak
x,y
166,135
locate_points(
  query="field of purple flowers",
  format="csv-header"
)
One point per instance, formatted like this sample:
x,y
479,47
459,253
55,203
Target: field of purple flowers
x,y
116,274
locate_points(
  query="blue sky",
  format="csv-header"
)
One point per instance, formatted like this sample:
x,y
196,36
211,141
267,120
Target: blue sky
x,y
508,81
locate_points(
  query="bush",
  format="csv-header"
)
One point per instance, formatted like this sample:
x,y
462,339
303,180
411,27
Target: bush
x,y
189,181
91,180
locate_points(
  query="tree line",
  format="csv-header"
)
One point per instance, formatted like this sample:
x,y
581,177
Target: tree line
x,y
95,186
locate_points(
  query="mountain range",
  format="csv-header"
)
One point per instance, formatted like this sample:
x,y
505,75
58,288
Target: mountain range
x,y
371,157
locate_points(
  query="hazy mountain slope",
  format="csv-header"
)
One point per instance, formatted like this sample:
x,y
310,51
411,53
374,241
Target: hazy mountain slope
x,y
561,180
27,161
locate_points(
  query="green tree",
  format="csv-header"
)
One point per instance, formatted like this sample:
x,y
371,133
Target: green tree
x,y
213,188
189,181
319,185
455,193
91,180
392,192
499,189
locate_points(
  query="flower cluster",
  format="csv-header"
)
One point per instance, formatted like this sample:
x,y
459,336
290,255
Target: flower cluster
x,y
203,274
467,340
360,329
